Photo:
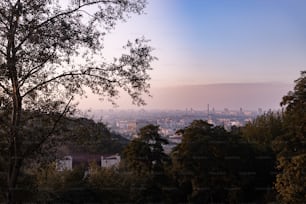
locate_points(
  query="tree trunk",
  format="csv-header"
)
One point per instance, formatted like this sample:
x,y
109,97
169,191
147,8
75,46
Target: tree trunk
x,y
14,156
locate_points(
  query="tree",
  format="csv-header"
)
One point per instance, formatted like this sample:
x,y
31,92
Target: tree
x,y
264,129
136,157
213,165
111,185
291,146
67,186
51,51
146,154
150,135
87,136
145,158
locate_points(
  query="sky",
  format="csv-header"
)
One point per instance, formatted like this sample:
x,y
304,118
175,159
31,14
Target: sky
x,y
203,42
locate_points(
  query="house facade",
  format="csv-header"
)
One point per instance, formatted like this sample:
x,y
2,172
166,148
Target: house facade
x,y
71,161
64,163
110,161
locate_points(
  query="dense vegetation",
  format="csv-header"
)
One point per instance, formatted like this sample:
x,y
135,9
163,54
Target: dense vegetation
x,y
262,162
210,165
50,52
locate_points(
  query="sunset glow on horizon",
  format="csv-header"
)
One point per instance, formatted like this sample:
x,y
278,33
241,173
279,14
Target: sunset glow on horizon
x,y
212,42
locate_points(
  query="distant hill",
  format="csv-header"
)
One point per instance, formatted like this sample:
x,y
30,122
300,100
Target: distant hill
x,y
89,137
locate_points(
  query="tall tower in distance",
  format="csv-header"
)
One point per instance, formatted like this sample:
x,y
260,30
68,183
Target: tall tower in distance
x,y
209,118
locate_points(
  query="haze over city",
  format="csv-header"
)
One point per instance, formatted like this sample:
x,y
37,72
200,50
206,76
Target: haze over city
x,y
249,96
247,52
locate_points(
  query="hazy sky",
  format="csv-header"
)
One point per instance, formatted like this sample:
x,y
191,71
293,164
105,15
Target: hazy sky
x,y
219,41
213,41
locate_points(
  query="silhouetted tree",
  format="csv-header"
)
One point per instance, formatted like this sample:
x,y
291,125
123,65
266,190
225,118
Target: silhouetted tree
x,y
67,186
49,52
137,157
87,136
291,146
213,165
264,129
144,157
110,185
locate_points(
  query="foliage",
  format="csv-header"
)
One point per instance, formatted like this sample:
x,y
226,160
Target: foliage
x,y
136,157
95,137
67,186
25,190
87,136
210,165
264,129
290,183
146,154
35,128
291,146
213,165
102,185
110,185
51,51
144,157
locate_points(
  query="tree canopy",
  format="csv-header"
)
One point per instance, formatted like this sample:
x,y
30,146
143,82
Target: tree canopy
x,y
145,155
291,146
145,158
214,165
50,51
264,129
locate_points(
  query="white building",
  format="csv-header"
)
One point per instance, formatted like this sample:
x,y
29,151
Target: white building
x,y
110,161
70,162
64,164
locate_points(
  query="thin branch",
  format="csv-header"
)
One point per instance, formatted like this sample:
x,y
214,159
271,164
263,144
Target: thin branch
x,y
3,52
3,15
37,145
63,76
6,90
59,15
86,13
2,21
48,81
34,70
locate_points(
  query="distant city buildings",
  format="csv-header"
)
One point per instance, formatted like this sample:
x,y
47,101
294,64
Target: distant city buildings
x,y
128,122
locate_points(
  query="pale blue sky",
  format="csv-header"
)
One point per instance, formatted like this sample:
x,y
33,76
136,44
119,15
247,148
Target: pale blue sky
x,y
219,41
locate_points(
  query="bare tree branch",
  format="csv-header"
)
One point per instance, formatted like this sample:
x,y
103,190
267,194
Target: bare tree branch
x,y
59,15
34,70
6,90
63,76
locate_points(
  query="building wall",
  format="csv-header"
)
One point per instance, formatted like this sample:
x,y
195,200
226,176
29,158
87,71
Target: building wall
x,y
64,164
110,161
